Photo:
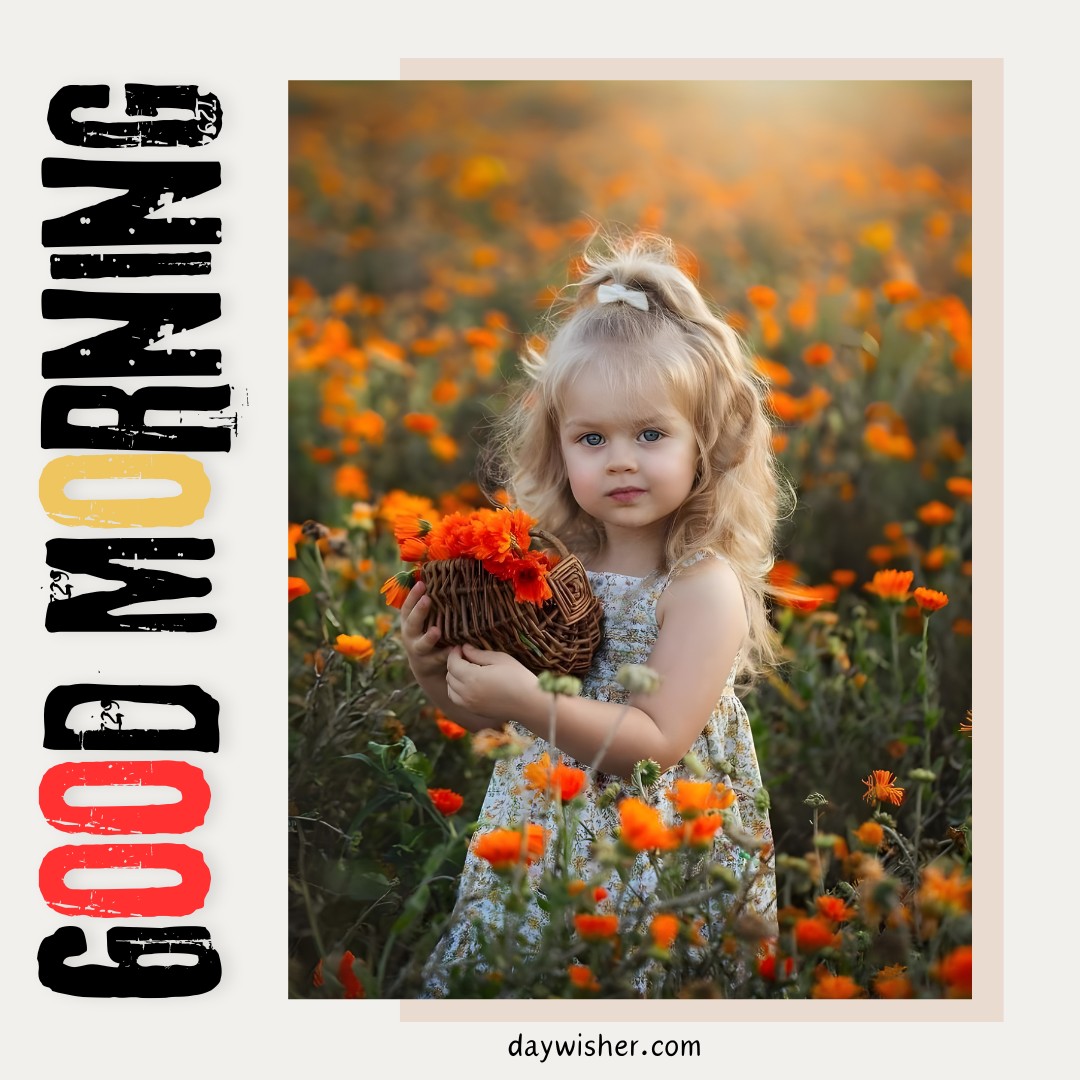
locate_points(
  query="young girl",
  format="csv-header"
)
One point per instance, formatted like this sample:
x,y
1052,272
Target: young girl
x,y
641,442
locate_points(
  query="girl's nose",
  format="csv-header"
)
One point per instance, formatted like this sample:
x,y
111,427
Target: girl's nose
x,y
621,459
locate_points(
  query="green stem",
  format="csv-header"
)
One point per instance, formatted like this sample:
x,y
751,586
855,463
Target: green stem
x,y
926,690
894,636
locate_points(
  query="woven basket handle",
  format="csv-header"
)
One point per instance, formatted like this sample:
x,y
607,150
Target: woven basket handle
x,y
554,541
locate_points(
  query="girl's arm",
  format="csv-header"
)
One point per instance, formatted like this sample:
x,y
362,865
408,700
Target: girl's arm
x,y
702,625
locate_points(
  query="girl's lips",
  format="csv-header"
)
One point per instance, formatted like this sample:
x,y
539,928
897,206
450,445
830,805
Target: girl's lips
x,y
625,494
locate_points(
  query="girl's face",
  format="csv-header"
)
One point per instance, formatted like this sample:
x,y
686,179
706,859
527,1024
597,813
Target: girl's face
x,y
631,463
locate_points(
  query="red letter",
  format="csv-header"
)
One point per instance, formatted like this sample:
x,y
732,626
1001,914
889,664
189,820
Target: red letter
x,y
180,817
147,903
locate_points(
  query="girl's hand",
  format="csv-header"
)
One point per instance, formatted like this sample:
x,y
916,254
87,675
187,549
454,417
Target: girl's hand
x,y
491,684
426,659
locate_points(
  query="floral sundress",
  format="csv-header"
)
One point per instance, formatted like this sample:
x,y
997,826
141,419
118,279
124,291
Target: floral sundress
x,y
725,747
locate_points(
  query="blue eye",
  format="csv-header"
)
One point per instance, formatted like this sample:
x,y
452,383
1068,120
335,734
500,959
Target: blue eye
x,y
592,439
651,435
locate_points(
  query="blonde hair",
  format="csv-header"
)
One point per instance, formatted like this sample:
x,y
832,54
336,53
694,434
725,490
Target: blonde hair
x,y
681,347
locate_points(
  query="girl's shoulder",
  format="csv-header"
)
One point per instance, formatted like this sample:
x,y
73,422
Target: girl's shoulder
x,y
703,581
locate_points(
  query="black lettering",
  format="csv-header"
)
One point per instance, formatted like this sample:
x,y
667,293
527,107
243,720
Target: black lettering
x,y
129,264
131,432
91,611
117,737
141,99
149,317
131,979
124,219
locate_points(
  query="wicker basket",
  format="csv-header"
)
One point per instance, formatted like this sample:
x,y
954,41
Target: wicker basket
x,y
473,607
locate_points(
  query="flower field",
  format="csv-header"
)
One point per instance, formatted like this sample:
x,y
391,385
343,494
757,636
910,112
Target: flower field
x,y
432,225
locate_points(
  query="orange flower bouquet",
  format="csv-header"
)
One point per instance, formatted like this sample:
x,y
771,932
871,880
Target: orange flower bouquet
x,y
493,585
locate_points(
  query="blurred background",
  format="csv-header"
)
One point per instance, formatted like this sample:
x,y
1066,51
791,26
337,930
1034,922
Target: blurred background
x,y
432,225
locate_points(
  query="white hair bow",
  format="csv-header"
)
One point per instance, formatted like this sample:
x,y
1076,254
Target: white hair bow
x,y
610,294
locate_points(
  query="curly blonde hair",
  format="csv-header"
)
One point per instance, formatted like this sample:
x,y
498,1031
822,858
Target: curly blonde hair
x,y
679,347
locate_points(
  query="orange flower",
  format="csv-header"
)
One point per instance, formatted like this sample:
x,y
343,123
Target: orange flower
x,y
296,534
445,391
317,975
787,408
942,893
805,598
833,987
766,966
412,549
959,486
443,447
530,578
879,554
843,578
582,977
420,423
879,235
930,599
870,834
833,908
962,627
880,787
542,776
366,425
891,584
954,971
480,338
935,558
397,502
353,987
410,526
965,726
449,728
935,513
642,827
447,802
596,927
776,373
298,587
693,797
895,444
899,291
351,482
813,934
397,588
818,354
762,297
664,929
891,982
700,831
505,848
354,647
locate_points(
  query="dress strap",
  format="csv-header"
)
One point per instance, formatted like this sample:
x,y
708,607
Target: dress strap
x,y
685,563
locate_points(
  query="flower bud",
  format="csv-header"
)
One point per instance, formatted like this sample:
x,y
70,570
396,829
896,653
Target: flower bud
x,y
719,872
609,795
552,683
646,773
762,801
694,765
925,775
637,678
790,862
815,798
606,852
